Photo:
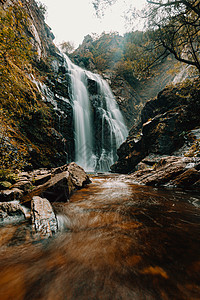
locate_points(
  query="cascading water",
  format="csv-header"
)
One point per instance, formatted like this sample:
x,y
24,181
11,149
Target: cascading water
x,y
98,123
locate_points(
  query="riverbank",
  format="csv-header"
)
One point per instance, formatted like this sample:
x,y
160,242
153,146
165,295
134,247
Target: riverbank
x,y
36,190
116,240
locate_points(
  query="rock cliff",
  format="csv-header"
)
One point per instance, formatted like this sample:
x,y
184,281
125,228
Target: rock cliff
x,y
169,125
36,112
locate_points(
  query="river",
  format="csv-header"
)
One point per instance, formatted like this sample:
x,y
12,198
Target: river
x,y
117,240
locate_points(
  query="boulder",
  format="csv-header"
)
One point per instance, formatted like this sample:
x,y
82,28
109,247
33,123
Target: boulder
x,y
44,222
11,212
170,171
58,188
63,181
78,176
23,185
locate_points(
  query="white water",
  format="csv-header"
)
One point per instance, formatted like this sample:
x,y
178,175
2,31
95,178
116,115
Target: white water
x,y
112,131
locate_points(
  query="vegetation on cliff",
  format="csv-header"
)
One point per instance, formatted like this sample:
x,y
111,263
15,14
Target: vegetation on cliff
x,y
30,126
126,55
26,121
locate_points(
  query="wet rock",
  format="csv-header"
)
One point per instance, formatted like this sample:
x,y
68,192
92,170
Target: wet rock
x,y
63,181
188,178
56,184
44,222
23,185
163,127
10,195
170,171
11,212
78,176
58,188
92,86
41,179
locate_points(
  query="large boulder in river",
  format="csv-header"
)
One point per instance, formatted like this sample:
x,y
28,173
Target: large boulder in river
x,y
44,222
58,184
58,188
78,176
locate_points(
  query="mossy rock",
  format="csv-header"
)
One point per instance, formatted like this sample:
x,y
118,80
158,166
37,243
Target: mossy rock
x,y
4,185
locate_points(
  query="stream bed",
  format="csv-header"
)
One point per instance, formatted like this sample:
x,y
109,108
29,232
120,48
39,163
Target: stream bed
x,y
117,241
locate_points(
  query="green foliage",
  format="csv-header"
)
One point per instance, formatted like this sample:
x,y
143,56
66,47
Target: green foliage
x,y
173,28
14,43
128,56
7,176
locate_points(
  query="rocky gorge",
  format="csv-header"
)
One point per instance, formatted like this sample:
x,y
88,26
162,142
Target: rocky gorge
x,y
168,125
162,147
127,224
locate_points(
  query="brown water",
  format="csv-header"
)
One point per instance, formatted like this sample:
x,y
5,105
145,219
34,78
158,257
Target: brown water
x,y
117,241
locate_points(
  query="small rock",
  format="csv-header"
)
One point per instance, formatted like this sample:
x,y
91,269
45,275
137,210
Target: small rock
x,y
5,185
11,212
44,221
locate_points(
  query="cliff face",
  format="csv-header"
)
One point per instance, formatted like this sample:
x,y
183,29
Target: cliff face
x,y
132,97
110,55
169,125
36,114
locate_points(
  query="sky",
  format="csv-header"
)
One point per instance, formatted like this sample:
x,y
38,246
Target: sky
x,y
71,20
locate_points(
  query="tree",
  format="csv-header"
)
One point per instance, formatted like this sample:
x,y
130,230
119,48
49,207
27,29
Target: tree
x,y
101,5
174,28
67,47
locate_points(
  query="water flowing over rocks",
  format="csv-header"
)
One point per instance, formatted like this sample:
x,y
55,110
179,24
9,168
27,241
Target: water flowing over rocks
x,y
99,127
11,212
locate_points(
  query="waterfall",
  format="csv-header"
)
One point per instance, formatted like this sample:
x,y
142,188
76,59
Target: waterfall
x,y
99,127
